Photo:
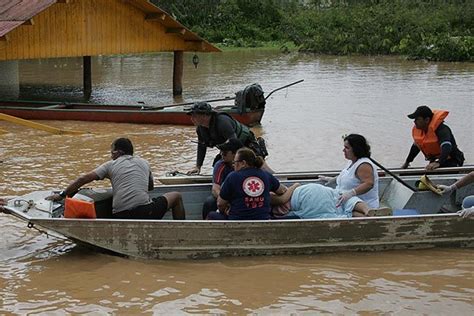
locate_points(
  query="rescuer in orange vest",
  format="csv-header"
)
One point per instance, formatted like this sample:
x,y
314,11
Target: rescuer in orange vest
x,y
434,139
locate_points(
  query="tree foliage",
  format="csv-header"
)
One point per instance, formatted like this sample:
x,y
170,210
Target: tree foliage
x,y
429,29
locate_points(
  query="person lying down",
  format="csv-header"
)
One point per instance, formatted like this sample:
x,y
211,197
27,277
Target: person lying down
x,y
315,201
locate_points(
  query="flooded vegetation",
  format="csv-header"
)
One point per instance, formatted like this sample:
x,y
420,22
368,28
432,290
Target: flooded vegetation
x,y
431,30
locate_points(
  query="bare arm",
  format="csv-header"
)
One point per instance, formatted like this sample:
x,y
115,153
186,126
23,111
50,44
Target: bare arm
x,y
414,151
79,182
467,179
280,199
223,205
216,189
75,185
365,173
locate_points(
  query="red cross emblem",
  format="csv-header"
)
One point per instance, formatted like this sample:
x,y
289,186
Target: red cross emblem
x,y
253,186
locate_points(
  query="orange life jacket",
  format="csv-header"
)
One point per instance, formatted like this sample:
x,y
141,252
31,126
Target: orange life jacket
x,y
428,142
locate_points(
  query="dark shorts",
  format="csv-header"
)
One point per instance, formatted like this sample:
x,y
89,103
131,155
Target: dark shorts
x,y
154,210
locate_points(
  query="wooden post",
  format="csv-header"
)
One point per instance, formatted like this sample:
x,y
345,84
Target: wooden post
x,y
87,76
178,72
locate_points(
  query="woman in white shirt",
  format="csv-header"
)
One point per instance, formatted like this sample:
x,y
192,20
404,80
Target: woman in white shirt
x,y
359,178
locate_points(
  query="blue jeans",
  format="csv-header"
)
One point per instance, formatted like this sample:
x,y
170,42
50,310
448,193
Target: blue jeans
x,y
468,201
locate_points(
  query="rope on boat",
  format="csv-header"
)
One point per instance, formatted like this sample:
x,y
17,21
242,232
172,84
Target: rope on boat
x,y
32,225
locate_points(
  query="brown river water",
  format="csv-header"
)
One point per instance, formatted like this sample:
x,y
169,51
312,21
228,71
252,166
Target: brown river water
x,y
303,126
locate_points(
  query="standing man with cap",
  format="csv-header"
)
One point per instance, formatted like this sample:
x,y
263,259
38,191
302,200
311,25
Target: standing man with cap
x,y
215,128
434,139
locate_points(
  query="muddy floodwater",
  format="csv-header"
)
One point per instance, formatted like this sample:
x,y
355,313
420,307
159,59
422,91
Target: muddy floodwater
x,y
302,125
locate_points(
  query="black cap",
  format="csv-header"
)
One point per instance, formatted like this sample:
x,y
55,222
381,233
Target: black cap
x,y
232,145
200,108
421,111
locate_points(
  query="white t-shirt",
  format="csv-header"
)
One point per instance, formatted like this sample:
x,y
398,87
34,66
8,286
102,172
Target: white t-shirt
x,y
129,176
347,180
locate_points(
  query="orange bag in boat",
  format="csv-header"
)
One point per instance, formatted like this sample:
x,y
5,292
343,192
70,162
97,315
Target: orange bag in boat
x,y
74,208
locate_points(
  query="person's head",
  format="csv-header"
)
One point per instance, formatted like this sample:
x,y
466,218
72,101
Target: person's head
x,y
229,149
200,113
121,146
246,158
355,147
422,117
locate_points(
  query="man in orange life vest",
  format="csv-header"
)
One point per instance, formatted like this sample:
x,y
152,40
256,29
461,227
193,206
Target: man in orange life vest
x,y
434,139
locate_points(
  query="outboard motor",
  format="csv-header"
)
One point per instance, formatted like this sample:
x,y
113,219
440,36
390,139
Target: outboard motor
x,y
251,98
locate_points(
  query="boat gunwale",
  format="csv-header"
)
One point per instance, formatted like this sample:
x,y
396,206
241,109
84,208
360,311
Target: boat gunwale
x,y
131,110
236,222
301,176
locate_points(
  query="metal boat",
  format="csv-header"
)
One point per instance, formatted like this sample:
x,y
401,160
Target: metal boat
x,y
420,220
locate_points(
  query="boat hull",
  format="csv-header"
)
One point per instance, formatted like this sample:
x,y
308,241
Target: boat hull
x,y
114,113
204,239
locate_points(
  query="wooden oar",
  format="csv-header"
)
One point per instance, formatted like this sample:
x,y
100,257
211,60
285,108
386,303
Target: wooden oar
x,y
409,171
43,127
394,175
158,107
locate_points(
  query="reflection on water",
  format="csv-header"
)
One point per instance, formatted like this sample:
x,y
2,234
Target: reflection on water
x,y
340,95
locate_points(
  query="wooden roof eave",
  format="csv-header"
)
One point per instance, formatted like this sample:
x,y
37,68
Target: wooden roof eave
x,y
200,46
154,13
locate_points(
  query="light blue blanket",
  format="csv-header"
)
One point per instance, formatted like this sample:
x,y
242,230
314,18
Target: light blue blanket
x,y
317,201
